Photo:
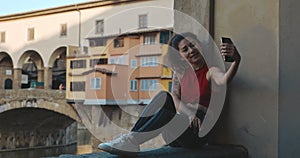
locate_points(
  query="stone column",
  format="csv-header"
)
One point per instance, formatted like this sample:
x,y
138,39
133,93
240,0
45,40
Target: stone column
x,y
40,75
2,75
17,78
48,78
200,10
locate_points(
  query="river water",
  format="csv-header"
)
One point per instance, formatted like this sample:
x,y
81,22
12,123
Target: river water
x,y
41,152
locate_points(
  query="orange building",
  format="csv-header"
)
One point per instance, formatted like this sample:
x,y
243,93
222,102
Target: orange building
x,y
130,71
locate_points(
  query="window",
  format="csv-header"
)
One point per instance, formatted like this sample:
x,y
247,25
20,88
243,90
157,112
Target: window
x,y
77,86
170,87
85,49
149,39
112,60
143,21
149,85
149,61
119,42
94,62
30,34
2,40
63,30
133,63
118,60
97,42
95,83
99,26
75,64
103,61
8,84
133,85
165,36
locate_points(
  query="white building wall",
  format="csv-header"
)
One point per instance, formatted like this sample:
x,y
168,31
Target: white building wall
x,y
47,27
124,18
47,35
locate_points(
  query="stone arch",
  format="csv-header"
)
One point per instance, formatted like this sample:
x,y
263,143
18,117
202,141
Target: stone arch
x,y
42,126
6,69
32,66
57,63
5,55
61,108
34,56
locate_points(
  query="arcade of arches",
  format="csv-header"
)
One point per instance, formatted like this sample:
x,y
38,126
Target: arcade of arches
x,y
30,72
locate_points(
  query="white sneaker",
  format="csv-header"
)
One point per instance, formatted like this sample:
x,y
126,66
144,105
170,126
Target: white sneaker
x,y
122,145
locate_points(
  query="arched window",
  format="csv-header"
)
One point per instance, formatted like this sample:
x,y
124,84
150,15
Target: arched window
x,y
8,84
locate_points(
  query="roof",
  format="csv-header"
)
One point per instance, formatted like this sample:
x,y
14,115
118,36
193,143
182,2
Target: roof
x,y
65,8
96,69
133,32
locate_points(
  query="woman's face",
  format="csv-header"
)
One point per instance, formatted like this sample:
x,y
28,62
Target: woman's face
x,y
190,49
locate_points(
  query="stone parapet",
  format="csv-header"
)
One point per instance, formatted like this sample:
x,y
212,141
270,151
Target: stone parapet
x,y
209,151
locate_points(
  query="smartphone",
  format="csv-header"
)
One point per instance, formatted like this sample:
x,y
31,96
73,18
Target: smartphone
x,y
227,40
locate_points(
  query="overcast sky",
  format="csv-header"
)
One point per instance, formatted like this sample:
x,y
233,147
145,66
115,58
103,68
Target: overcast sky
x,y
19,6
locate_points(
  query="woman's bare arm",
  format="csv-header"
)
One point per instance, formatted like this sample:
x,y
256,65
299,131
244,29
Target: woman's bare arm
x,y
220,77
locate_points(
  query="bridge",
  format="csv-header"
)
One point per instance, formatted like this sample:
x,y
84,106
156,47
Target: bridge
x,y
36,118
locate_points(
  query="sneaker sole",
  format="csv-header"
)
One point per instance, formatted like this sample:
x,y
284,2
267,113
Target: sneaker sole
x,y
115,151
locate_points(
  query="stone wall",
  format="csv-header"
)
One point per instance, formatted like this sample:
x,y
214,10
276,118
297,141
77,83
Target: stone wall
x,y
25,139
250,114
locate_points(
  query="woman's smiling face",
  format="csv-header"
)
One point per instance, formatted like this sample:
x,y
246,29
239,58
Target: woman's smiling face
x,y
189,49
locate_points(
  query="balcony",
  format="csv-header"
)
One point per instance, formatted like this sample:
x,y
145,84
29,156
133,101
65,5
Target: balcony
x,y
147,50
96,51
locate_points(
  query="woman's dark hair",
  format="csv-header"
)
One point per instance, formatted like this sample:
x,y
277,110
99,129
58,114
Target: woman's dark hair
x,y
173,57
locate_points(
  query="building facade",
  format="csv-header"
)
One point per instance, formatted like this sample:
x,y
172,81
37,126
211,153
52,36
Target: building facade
x,y
126,68
58,48
93,53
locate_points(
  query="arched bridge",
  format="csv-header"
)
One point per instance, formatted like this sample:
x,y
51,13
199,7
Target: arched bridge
x,y
36,118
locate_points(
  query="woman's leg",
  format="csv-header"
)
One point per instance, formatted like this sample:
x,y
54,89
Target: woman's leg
x,y
162,109
161,103
155,115
189,138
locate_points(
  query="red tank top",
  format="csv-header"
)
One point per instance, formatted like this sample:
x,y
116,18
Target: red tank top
x,y
188,87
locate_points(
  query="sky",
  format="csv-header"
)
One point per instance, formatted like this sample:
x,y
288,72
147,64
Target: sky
x,y
18,6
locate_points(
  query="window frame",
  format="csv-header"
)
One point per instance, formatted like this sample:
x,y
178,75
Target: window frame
x,y
76,64
133,85
63,30
101,61
146,85
2,37
133,65
150,39
149,61
30,34
93,83
118,42
143,21
78,86
99,28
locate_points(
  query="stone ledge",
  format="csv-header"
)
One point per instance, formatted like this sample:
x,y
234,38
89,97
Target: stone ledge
x,y
210,151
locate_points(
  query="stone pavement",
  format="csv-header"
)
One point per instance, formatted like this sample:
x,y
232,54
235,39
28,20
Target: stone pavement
x,y
210,151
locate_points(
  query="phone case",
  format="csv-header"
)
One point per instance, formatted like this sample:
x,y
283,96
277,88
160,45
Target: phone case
x,y
227,40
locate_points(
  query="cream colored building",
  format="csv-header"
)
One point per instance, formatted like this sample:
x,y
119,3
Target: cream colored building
x,y
35,46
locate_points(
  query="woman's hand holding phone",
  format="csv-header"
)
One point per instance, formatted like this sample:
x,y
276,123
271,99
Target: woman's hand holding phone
x,y
228,50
